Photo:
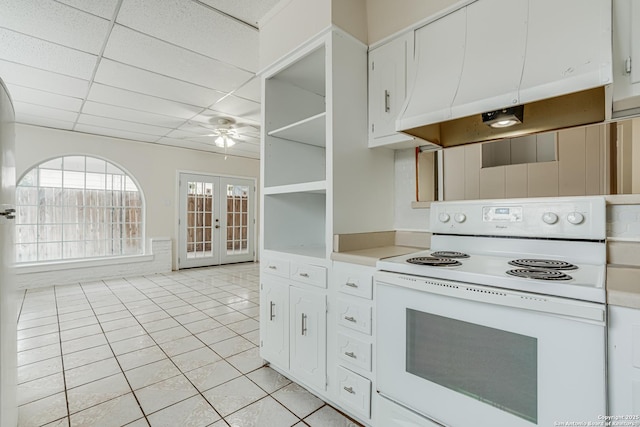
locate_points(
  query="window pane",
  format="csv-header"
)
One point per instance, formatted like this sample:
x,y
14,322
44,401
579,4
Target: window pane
x,y
74,163
30,179
73,179
52,164
26,195
96,165
50,178
96,181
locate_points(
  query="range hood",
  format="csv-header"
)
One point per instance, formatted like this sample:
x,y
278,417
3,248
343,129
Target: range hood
x,y
553,57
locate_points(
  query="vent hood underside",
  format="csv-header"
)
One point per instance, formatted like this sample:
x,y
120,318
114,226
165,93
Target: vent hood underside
x,y
576,109
494,54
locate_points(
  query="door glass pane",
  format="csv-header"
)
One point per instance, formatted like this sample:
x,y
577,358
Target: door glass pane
x,y
237,208
496,367
199,219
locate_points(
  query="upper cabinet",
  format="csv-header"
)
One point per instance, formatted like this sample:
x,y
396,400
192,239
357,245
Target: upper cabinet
x,y
389,66
494,54
626,56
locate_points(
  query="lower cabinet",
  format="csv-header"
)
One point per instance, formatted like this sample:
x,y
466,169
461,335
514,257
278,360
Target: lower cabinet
x,y
308,334
352,339
293,321
274,324
624,361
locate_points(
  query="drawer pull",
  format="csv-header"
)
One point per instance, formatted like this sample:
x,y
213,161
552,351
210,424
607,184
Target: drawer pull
x,y
304,275
349,390
351,285
351,354
272,314
273,267
350,319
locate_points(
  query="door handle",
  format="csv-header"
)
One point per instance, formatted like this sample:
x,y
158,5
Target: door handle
x,y
387,103
8,213
217,226
304,324
271,311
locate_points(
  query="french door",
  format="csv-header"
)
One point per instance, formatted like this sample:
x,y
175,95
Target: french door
x,y
216,221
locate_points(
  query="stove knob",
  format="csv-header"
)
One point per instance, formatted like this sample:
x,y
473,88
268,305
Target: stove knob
x,y
444,217
550,218
575,218
460,217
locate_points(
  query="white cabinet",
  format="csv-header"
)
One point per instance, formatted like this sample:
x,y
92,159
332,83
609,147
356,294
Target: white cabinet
x,y
626,58
293,329
308,336
352,334
274,325
624,361
388,69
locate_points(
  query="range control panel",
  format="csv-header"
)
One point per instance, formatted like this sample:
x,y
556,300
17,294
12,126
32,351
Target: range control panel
x,y
561,217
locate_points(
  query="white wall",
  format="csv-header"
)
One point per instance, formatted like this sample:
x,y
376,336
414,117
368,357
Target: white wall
x,y
407,218
155,167
385,17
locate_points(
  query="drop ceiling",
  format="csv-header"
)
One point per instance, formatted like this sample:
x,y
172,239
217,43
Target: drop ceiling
x,y
156,71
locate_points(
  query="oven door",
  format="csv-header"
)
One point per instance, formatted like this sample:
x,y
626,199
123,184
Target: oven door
x,y
466,355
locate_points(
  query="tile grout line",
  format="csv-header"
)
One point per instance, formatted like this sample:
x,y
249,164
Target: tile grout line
x,y
64,377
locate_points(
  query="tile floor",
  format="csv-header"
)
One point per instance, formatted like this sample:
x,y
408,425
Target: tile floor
x,y
177,349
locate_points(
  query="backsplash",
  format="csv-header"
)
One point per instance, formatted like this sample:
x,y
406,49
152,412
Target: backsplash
x,y
407,218
623,222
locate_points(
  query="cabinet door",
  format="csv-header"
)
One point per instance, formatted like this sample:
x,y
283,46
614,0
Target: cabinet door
x,y
387,88
308,336
624,360
274,322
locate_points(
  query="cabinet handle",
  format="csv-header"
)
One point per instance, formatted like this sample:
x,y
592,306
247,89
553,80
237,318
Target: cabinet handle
x,y
271,311
273,267
350,354
349,390
304,324
351,285
387,103
304,275
350,319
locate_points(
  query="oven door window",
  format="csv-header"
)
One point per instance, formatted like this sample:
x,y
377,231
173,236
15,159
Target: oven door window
x,y
496,367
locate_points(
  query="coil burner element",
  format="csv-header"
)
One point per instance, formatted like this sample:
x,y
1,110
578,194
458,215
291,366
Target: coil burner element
x,y
434,261
537,274
547,264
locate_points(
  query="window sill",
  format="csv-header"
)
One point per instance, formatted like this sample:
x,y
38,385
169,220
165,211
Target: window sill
x,y
73,264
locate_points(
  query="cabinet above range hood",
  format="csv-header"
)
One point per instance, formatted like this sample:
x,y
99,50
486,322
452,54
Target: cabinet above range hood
x,y
553,57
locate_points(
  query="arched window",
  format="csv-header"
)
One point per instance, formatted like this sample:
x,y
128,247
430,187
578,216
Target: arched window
x,y
76,207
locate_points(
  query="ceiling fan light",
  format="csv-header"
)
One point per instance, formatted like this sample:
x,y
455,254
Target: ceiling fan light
x,y
219,141
230,142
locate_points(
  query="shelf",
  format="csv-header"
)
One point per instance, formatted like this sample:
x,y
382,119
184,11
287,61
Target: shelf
x,y
304,187
311,130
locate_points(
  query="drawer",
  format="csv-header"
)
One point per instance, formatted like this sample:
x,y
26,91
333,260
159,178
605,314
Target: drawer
x,y
309,274
275,266
354,351
358,283
354,315
354,392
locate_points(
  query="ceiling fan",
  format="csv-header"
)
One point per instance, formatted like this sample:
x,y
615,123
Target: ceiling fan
x,y
226,131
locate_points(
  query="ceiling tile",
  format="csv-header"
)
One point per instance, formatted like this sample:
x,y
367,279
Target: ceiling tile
x,y
47,112
195,27
43,121
41,54
102,8
236,150
97,130
47,99
240,107
35,78
121,113
55,22
136,101
250,90
139,50
247,10
132,78
124,125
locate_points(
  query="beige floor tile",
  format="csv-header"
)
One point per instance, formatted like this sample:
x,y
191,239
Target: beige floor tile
x,y
112,413
193,412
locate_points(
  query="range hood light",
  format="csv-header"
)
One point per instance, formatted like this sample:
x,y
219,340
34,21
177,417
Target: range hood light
x,y
504,118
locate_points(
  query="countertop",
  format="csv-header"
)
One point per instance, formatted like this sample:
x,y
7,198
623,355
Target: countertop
x,y
370,256
623,286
